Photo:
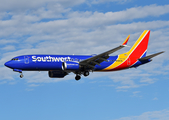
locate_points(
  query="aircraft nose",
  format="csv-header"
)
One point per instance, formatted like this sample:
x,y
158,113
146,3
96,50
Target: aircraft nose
x,y
8,64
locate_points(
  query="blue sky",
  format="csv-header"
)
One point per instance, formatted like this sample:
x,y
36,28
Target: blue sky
x,y
84,27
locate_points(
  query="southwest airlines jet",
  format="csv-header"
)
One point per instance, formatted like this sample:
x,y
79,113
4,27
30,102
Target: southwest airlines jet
x,y
58,66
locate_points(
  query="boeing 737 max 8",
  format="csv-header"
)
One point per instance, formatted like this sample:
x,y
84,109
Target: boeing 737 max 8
x,y
58,66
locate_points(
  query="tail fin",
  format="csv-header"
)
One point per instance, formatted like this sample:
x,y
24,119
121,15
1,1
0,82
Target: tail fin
x,y
139,49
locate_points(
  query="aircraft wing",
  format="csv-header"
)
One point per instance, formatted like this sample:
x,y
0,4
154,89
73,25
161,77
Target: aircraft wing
x,y
96,60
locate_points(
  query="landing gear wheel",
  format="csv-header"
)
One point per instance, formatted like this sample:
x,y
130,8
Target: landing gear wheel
x,y
86,73
78,77
21,76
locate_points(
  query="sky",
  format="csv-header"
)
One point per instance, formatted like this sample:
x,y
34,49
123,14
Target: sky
x,y
84,27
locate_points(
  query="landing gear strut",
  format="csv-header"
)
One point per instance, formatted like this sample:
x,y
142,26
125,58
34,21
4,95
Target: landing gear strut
x,y
78,77
21,76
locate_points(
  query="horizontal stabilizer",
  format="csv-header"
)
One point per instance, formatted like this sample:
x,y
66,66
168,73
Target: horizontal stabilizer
x,y
150,56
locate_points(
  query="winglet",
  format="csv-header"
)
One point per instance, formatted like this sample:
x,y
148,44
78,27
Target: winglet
x,y
125,42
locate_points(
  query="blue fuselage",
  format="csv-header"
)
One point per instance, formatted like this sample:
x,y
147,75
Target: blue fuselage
x,y
51,62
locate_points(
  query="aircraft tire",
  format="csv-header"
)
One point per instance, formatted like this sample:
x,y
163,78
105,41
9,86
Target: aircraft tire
x,y
86,73
21,76
78,77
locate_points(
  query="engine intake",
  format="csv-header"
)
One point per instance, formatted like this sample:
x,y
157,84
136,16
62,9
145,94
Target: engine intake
x,y
70,66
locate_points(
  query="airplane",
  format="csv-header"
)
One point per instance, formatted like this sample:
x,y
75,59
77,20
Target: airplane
x,y
58,66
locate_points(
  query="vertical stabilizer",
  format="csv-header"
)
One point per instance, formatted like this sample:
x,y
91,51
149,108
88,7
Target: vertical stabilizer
x,y
130,58
139,49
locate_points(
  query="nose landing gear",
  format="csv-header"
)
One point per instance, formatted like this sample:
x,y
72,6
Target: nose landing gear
x,y
20,71
21,76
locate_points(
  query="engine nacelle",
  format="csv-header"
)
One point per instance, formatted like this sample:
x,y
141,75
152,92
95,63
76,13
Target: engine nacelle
x,y
70,66
57,74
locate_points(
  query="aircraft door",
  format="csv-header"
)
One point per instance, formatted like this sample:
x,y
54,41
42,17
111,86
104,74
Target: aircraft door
x,y
26,59
128,62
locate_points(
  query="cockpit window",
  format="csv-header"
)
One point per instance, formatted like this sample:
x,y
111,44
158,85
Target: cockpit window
x,y
15,59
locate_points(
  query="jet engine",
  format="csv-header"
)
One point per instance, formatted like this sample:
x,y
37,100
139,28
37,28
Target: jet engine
x,y
70,66
57,74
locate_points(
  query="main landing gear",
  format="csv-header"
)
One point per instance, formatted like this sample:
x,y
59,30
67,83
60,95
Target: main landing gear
x,y
86,73
78,76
